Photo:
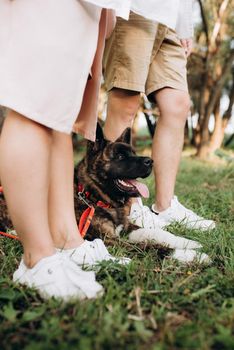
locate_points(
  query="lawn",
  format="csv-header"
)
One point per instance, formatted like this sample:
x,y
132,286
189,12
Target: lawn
x,y
151,304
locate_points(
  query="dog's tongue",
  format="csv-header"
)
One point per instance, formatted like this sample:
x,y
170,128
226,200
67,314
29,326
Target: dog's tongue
x,y
142,188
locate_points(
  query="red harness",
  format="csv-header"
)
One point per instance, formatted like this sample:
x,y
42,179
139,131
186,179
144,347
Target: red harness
x,y
87,215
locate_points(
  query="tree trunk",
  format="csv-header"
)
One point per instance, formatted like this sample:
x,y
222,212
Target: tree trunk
x,y
217,137
204,95
208,148
203,151
201,133
218,23
186,135
214,97
221,123
212,85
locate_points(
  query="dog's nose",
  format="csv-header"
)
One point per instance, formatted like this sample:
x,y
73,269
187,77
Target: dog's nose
x,y
148,161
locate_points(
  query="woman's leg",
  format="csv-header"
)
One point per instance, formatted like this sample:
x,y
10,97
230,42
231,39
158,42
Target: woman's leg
x,y
62,218
24,170
25,156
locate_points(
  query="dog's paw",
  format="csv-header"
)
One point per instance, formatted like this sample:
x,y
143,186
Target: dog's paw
x,y
188,256
163,238
118,230
184,243
143,235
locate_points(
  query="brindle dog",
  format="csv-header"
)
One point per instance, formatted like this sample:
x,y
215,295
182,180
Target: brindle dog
x,y
108,174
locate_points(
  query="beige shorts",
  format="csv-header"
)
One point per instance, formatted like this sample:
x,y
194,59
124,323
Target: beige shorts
x,y
145,57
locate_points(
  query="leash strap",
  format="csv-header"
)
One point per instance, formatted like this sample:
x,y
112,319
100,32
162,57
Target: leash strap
x,y
9,235
85,220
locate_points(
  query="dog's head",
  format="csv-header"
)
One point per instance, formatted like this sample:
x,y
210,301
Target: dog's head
x,y
114,166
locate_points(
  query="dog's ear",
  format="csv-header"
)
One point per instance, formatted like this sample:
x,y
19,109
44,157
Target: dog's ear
x,y
126,136
99,143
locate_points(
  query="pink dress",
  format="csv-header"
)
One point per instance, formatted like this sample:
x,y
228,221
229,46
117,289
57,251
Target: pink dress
x,y
47,49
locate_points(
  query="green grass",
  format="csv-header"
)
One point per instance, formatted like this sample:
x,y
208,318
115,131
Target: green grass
x,y
152,304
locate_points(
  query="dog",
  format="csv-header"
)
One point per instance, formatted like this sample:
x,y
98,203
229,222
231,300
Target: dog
x,y
106,180
107,175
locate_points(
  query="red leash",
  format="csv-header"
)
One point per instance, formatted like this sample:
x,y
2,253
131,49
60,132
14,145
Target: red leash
x,y
85,220
9,235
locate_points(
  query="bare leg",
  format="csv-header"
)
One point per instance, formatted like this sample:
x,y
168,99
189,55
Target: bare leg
x,y
62,219
168,142
121,111
24,163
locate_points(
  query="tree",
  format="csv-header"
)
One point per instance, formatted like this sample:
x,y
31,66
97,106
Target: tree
x,y
211,73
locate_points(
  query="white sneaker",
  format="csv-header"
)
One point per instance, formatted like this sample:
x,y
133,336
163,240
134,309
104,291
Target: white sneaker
x,y
142,216
178,213
188,256
92,253
57,276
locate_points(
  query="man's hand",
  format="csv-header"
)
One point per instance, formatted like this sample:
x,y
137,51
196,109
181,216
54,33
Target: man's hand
x,y
187,45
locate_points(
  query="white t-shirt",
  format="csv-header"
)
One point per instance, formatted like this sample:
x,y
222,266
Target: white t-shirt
x,y
175,14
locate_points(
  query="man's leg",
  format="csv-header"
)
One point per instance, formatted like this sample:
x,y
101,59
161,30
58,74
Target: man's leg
x,y
122,107
168,142
166,151
167,148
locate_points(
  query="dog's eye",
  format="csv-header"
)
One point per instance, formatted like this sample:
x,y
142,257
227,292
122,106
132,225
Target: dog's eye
x,y
120,156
